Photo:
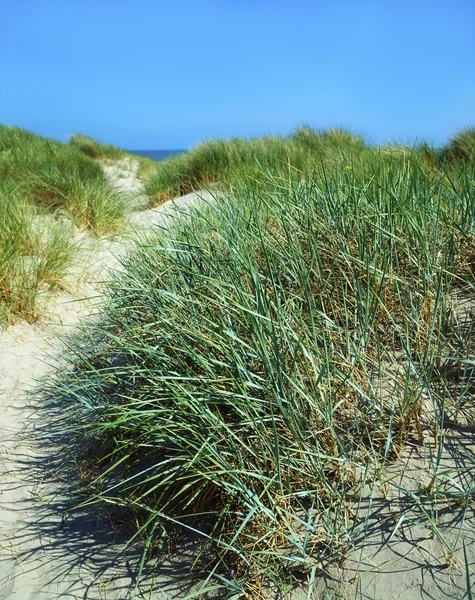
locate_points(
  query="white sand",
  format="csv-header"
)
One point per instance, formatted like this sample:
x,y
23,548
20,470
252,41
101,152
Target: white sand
x,y
44,558
123,174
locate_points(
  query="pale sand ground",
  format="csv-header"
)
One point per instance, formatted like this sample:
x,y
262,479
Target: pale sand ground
x,y
124,174
43,557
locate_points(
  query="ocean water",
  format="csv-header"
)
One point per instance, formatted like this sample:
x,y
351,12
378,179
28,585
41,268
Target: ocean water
x,y
157,154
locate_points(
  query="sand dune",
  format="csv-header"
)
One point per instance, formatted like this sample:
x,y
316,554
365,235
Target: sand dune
x,y
48,550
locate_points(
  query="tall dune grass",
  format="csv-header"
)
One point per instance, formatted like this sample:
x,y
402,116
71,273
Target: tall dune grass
x,y
222,164
106,153
35,253
45,187
56,176
258,363
461,147
95,149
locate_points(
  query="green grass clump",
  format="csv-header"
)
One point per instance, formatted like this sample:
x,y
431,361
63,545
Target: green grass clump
x,y
35,253
45,187
319,142
225,163
95,149
461,146
90,201
57,176
255,361
147,168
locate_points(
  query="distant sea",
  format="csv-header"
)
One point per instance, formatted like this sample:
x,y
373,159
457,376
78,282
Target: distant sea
x,y
157,154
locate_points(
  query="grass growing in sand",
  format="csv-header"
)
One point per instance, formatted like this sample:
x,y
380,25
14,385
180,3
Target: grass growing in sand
x,y
55,176
224,164
260,362
107,153
45,188
461,147
95,149
35,253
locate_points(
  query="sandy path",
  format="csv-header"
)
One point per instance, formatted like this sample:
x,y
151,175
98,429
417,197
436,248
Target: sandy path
x,y
44,556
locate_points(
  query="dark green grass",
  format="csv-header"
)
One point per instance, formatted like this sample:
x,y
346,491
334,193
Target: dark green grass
x,y
95,149
255,362
461,147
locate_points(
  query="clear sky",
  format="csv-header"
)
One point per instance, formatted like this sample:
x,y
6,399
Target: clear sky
x,y
169,73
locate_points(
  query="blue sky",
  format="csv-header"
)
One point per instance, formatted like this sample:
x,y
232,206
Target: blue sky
x,y
169,73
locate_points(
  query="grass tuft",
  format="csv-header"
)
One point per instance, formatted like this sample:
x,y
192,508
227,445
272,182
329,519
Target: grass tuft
x,y
35,253
106,153
56,176
255,360
461,146
95,149
45,187
224,164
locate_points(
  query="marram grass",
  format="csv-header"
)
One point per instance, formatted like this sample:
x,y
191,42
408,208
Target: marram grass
x,y
95,149
108,153
56,176
222,164
46,188
257,363
35,253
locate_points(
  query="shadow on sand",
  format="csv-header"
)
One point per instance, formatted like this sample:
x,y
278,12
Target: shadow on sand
x,y
54,549
411,536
